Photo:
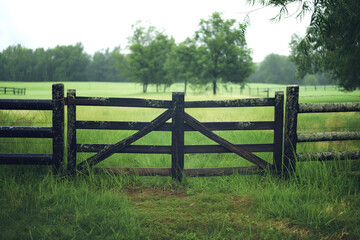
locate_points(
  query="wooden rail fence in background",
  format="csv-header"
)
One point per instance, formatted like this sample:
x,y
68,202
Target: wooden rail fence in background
x,y
12,90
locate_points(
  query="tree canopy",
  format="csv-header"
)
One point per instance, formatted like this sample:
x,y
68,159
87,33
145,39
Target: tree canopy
x,y
225,54
332,41
149,50
62,63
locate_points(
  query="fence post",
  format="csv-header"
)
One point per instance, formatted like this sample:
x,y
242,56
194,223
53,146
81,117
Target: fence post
x,y
291,112
58,125
278,132
177,147
71,131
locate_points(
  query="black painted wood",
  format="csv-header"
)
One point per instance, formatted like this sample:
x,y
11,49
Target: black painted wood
x,y
278,131
25,104
119,102
253,102
177,136
188,149
58,125
26,132
213,126
71,132
26,159
241,152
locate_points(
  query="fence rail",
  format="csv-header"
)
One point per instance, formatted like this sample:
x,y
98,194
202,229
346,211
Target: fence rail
x,y
293,108
12,90
56,132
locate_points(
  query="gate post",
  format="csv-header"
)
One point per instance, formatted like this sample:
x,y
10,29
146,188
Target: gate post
x,y
291,114
58,125
177,139
71,131
278,132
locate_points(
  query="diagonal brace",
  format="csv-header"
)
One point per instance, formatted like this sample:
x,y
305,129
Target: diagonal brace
x,y
110,150
229,146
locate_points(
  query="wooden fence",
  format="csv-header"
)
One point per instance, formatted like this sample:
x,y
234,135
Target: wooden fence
x,y
293,108
181,122
56,132
12,90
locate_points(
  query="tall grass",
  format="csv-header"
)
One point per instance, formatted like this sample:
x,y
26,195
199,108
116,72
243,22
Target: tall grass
x,y
320,201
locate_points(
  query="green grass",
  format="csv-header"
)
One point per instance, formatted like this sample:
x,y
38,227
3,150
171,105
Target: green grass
x,y
320,202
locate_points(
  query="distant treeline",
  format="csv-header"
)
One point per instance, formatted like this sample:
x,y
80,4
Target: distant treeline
x,y
71,63
280,70
62,63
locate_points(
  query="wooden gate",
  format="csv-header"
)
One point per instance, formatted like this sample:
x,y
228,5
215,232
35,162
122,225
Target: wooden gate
x,y
181,122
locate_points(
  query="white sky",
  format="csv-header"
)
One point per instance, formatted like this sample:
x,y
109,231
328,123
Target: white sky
x,y
107,23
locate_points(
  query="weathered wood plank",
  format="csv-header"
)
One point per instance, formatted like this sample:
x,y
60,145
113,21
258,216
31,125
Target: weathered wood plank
x,y
26,159
119,102
252,102
213,126
58,119
192,172
328,156
188,149
25,104
290,135
26,132
221,171
329,107
278,131
134,171
245,154
71,132
177,136
108,151
327,136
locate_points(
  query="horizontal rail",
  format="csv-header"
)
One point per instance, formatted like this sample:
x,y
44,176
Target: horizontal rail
x,y
253,102
329,107
26,132
26,159
25,104
213,126
327,136
192,172
328,156
188,149
119,102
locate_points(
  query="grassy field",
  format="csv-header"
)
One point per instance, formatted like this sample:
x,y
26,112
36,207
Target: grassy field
x,y
320,202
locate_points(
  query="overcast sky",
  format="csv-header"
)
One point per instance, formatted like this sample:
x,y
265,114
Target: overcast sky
x,y
107,23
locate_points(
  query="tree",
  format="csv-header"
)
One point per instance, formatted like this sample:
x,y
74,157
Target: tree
x,y
102,66
332,41
275,69
149,50
69,63
225,56
182,63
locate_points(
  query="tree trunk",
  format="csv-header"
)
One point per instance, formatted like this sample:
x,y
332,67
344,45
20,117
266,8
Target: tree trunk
x,y
185,86
144,87
214,87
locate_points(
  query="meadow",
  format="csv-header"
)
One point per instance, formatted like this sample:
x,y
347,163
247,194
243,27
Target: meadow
x,y
321,201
